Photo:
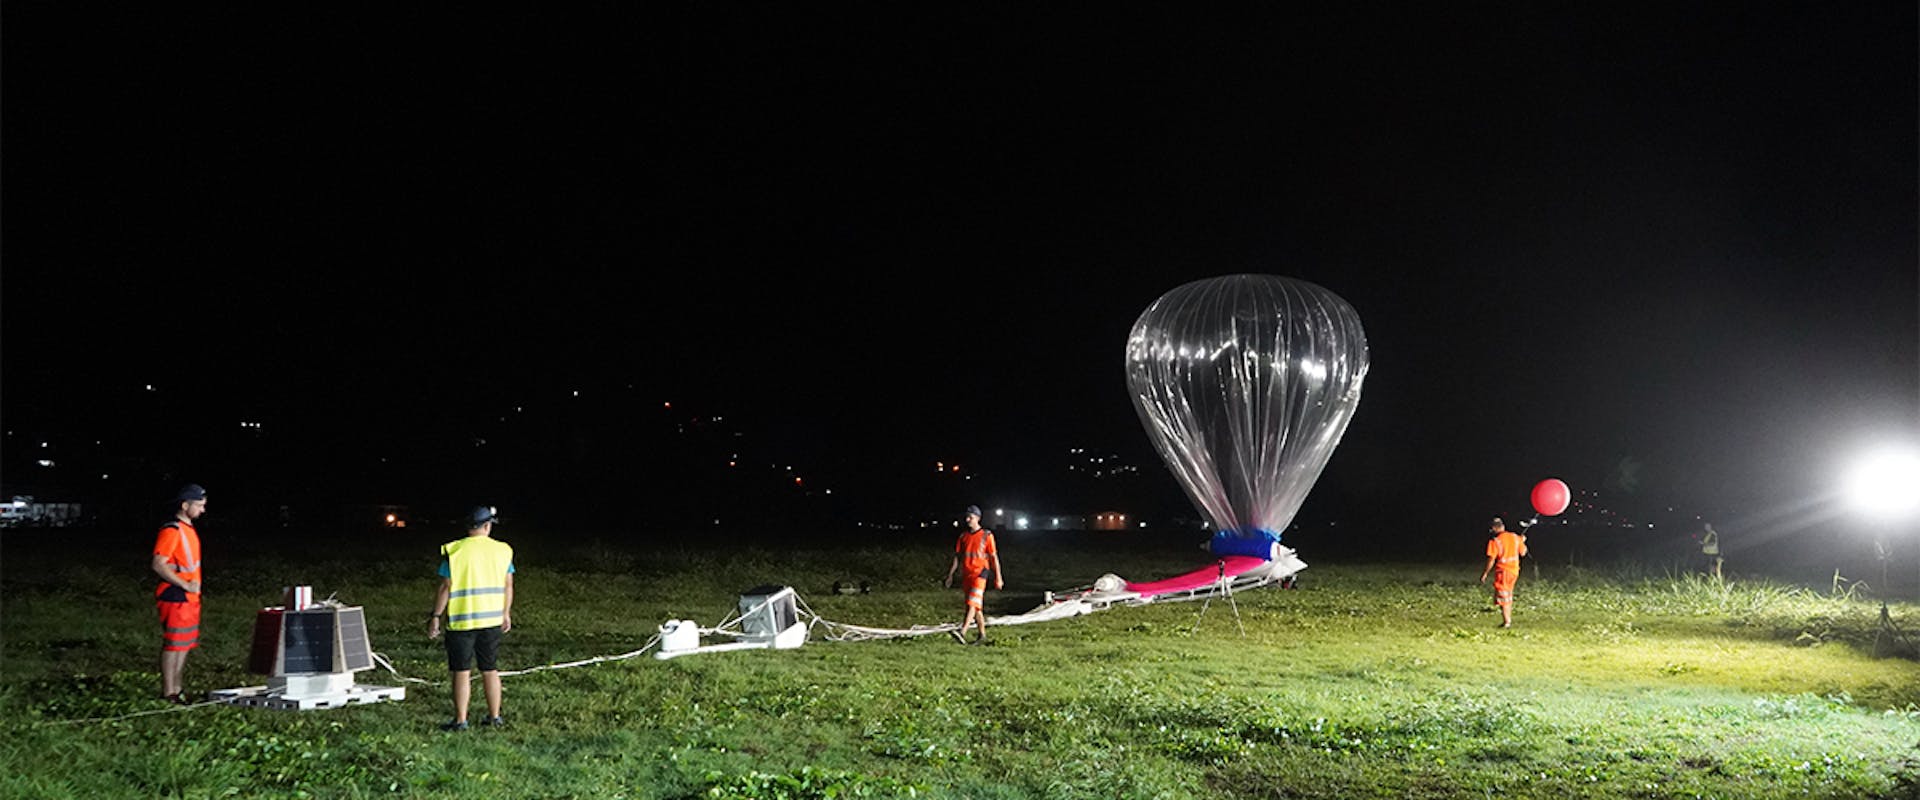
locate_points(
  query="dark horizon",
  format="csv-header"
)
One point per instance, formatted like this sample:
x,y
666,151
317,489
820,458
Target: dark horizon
x,y
1668,254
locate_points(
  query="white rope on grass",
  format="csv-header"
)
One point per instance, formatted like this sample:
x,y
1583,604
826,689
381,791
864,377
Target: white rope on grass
x,y
177,708
586,661
382,661
1082,602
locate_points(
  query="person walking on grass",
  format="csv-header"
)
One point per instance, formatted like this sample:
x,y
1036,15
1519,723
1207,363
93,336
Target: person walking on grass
x,y
1504,549
476,593
978,560
176,559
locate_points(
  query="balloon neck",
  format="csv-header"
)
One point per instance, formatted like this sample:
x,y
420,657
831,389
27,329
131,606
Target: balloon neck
x,y
1257,542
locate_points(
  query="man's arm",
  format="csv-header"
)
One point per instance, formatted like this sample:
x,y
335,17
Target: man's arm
x,y
1485,572
164,568
999,580
950,569
440,596
506,610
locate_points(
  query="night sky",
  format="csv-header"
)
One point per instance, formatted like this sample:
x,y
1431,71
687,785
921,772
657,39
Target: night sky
x,y
1664,249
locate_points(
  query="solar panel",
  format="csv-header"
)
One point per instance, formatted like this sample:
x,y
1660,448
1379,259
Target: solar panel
x,y
308,641
355,651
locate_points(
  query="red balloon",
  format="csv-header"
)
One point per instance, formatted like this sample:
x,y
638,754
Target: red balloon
x,y
1550,497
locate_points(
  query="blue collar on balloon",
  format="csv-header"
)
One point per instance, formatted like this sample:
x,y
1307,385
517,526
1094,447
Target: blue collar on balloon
x,y
1255,542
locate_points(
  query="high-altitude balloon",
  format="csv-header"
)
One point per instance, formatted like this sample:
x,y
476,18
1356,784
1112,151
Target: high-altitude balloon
x,y
1551,496
1245,384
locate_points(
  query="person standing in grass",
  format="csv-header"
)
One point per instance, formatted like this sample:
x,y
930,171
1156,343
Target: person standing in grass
x,y
1710,551
476,592
176,559
977,559
1504,550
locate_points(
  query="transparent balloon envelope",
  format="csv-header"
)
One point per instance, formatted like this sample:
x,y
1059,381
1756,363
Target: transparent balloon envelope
x,y
1245,384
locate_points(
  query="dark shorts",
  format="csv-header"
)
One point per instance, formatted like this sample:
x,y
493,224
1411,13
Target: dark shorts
x,y
466,647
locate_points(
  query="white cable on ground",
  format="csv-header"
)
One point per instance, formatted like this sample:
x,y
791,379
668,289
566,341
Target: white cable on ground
x,y
201,704
382,661
1085,603
584,662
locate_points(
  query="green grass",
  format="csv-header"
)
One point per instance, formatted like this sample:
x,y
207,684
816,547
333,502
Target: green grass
x,y
1379,680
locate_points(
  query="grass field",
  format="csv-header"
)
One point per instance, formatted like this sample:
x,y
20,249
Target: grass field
x,y
1369,680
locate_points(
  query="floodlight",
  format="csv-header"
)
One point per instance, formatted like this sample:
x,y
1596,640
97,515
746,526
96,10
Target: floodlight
x,y
1885,485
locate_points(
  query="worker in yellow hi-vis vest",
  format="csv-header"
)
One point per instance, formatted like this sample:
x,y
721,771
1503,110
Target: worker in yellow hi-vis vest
x,y
476,594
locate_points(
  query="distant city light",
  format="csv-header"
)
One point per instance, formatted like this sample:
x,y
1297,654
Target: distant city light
x,y
149,387
576,393
46,462
999,512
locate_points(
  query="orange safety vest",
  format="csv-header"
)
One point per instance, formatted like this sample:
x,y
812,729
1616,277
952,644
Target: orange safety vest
x,y
180,543
1506,550
974,548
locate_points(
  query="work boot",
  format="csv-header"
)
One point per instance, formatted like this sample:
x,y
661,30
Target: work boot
x,y
958,636
453,725
493,722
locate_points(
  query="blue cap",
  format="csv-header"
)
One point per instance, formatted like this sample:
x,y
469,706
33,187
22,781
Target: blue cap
x,y
191,491
973,511
480,515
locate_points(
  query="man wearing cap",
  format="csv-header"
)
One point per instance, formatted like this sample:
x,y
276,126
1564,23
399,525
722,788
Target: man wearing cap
x,y
1504,549
976,557
176,559
476,594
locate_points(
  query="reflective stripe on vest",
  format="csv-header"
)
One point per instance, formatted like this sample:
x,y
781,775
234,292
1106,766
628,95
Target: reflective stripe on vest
x,y
191,560
477,567
976,557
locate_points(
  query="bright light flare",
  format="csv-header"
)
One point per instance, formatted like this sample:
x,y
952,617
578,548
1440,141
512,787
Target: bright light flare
x,y
1886,485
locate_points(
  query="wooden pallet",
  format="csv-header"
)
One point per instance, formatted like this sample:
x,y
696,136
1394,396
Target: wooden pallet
x,y
260,697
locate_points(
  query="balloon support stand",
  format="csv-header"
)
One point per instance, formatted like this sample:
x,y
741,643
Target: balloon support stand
x,y
1223,587
1886,629
1889,631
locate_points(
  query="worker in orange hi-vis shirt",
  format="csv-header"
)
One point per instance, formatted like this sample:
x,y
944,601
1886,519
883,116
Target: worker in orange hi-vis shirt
x,y
978,560
176,559
1504,550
